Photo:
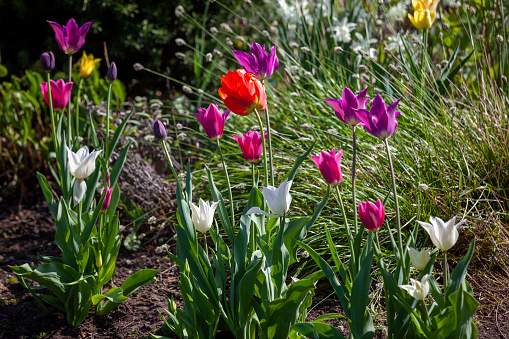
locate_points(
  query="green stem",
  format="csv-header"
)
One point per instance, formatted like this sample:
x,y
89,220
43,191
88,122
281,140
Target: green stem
x,y
169,161
205,244
80,211
77,108
52,113
354,161
228,183
427,313
69,137
107,142
446,271
347,227
253,226
400,239
263,145
254,174
269,138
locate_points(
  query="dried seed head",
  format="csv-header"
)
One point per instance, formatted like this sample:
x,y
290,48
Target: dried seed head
x,y
213,30
364,68
355,76
179,11
225,27
441,36
404,76
319,106
446,26
338,49
306,126
180,42
187,89
208,57
229,42
444,63
266,33
393,68
294,94
152,220
293,45
138,67
308,74
504,80
473,10
365,77
181,136
305,49
180,55
217,52
423,187
295,68
500,39
200,91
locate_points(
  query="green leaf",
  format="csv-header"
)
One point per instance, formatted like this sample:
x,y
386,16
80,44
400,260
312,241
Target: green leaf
x,y
189,183
117,134
316,330
291,174
119,164
245,289
115,295
78,303
223,212
137,280
458,276
282,313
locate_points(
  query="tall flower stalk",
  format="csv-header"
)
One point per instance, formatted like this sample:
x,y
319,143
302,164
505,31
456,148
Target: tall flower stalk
x,y
271,161
264,148
227,183
69,124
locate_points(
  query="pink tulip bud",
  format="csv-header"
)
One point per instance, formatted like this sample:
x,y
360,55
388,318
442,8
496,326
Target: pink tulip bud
x,y
372,215
329,165
212,120
251,145
107,198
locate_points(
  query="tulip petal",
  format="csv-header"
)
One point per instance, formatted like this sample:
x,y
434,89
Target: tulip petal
x,y
257,210
79,190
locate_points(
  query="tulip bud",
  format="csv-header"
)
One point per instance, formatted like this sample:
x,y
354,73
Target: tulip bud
x,y
372,215
99,260
107,199
419,259
172,306
47,61
112,72
159,130
187,269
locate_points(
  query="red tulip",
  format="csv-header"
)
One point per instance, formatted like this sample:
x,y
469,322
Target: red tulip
x,y
242,92
372,215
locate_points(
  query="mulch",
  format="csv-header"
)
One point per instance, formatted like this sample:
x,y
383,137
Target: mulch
x,y
26,229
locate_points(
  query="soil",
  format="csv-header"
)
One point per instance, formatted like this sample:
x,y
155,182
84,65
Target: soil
x,y
26,229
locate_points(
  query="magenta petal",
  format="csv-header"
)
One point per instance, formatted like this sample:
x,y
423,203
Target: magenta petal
x,y
59,35
246,61
273,61
361,99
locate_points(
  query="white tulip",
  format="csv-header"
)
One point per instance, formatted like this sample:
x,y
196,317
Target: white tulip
x,y
278,200
203,216
420,258
418,289
443,234
81,165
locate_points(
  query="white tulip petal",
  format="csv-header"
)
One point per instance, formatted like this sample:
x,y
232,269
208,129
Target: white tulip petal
x,y
443,234
257,210
82,153
203,215
79,190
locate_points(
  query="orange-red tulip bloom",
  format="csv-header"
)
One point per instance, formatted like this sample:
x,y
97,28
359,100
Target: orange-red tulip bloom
x,y
242,92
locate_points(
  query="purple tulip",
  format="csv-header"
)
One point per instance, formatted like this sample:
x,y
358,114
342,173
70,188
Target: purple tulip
x,y
107,198
70,37
259,63
60,93
251,145
372,215
346,107
380,121
329,165
112,72
159,130
47,61
212,120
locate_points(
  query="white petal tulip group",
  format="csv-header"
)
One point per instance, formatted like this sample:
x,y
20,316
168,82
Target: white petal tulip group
x,y
203,215
81,165
418,289
278,200
443,234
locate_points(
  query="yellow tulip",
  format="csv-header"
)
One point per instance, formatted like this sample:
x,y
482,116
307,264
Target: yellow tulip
x,y
424,13
87,64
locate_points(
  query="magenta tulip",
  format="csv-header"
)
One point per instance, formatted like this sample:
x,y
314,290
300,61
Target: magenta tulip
x,y
260,63
251,145
107,199
329,165
60,93
380,121
70,37
212,120
372,215
347,107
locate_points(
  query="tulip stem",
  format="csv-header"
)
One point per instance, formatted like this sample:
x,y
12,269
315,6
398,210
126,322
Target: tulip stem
x,y
205,244
271,161
263,145
354,162
69,137
400,240
427,313
77,108
107,141
169,161
52,114
353,255
446,271
253,170
228,183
